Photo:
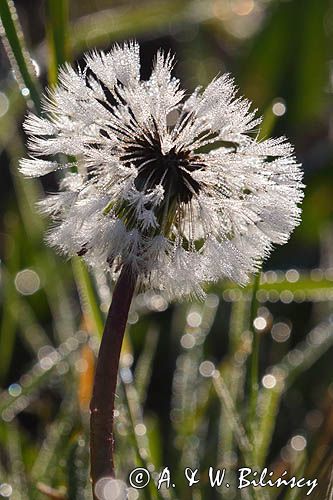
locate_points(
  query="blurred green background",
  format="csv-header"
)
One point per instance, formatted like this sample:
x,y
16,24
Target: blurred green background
x,y
171,412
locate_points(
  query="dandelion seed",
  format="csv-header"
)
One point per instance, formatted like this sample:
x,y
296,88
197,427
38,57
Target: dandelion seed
x,y
182,201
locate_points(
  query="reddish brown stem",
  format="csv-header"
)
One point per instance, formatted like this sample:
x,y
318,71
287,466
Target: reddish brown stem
x,y
102,402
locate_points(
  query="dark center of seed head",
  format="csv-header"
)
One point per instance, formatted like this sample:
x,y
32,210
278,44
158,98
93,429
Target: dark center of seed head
x,y
172,170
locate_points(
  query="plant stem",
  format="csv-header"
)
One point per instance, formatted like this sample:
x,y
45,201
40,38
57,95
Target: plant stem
x,y
102,403
254,369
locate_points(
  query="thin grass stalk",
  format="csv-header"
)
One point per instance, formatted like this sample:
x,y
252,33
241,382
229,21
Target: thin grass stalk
x,y
18,476
57,27
77,465
13,41
269,401
244,444
87,295
222,391
102,403
8,323
254,370
141,447
144,365
329,494
234,375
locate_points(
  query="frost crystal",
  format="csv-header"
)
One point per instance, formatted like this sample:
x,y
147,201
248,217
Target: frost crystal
x,y
177,187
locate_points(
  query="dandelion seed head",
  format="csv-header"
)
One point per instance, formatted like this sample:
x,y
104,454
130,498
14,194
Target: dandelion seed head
x,y
183,201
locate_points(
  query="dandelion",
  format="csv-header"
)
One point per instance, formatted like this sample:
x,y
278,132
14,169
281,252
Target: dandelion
x,y
167,190
176,187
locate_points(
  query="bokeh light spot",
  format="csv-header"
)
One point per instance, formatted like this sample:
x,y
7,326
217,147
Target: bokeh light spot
x,y
15,390
27,282
269,381
194,319
140,429
207,369
6,490
25,92
110,489
260,323
279,107
187,341
298,443
281,332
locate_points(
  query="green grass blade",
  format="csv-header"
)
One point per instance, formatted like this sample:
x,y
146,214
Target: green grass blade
x,y
57,28
87,295
254,369
14,43
234,373
329,495
233,416
77,467
269,401
140,443
144,364
17,477
9,299
310,286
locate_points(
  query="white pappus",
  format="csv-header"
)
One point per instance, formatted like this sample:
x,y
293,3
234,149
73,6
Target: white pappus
x,y
178,187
